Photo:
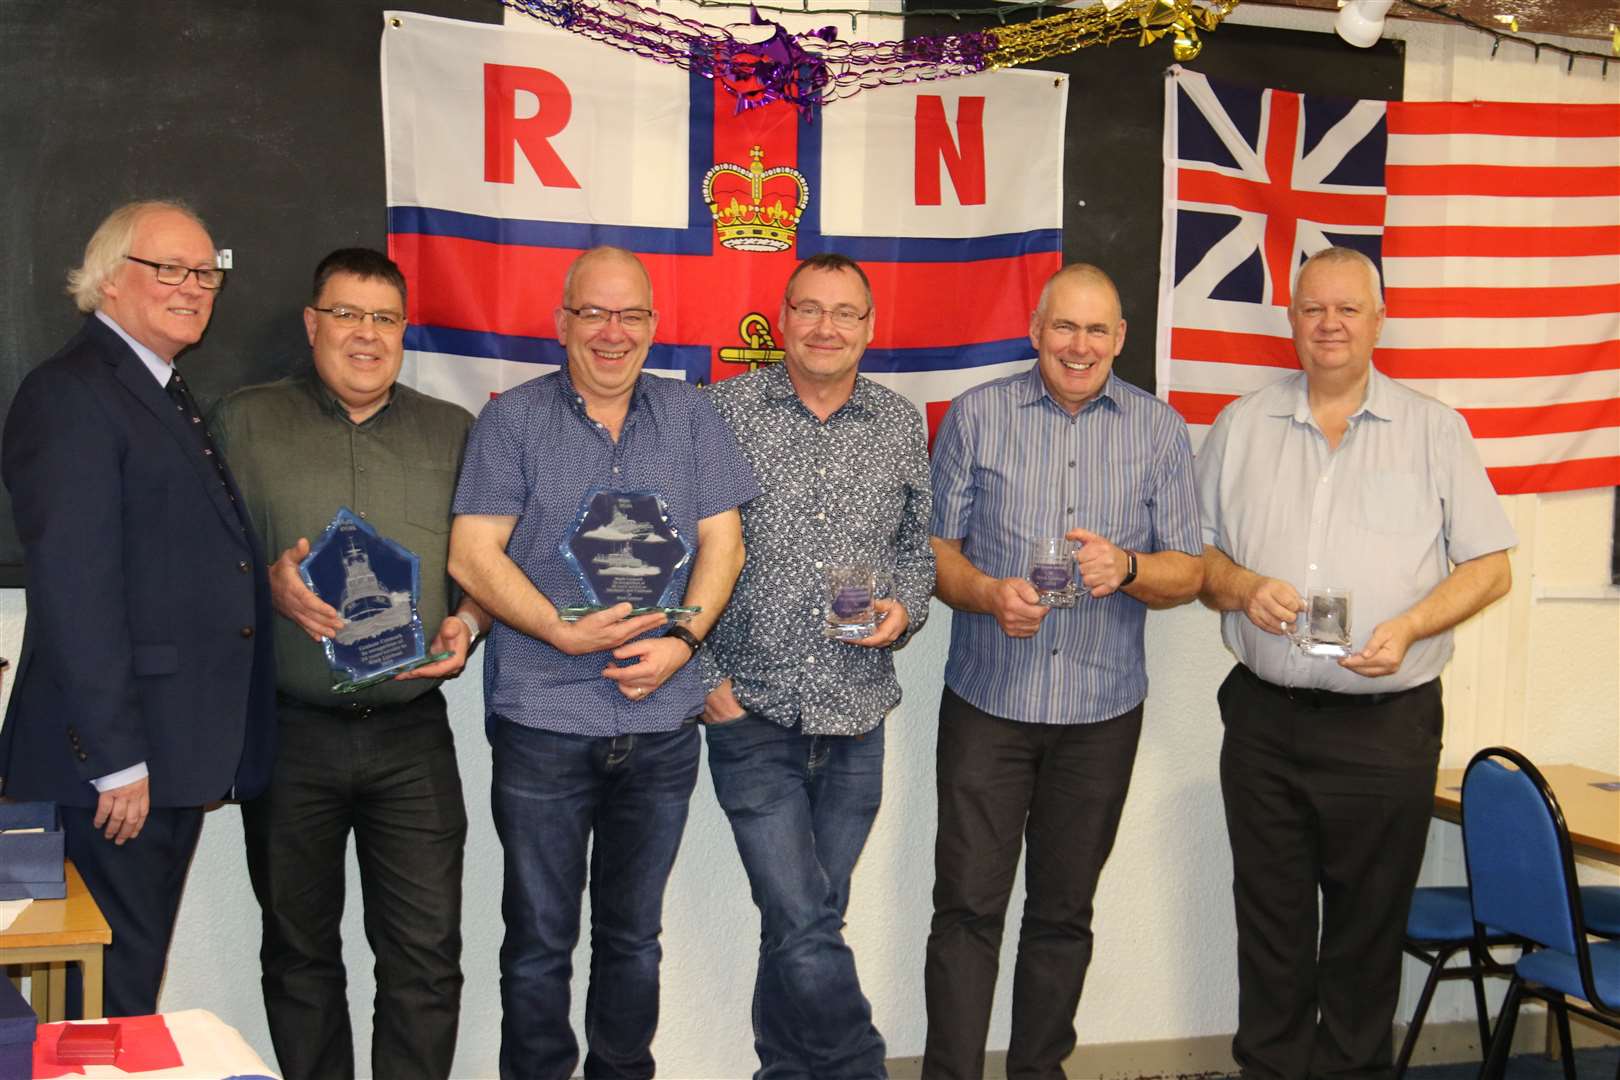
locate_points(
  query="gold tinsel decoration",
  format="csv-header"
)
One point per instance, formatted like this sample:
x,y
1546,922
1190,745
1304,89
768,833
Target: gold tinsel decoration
x,y
1147,20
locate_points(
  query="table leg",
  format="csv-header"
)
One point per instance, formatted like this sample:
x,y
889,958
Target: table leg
x,y
56,982
39,992
92,982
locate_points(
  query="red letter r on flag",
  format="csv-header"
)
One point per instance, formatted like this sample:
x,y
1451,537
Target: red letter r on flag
x,y
502,128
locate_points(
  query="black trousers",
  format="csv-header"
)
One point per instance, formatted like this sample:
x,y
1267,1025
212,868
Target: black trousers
x,y
1061,788
137,886
389,776
1329,794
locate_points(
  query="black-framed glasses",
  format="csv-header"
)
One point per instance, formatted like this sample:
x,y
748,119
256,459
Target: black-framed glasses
x,y
845,318
209,277
631,318
386,322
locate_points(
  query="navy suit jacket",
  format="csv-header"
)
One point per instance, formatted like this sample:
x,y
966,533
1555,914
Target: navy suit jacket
x,y
148,633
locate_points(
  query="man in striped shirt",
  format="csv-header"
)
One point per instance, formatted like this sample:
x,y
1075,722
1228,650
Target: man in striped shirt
x,y
1043,706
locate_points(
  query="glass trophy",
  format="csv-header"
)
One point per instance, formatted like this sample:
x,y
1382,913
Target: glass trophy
x,y
625,549
1051,571
1323,628
851,602
375,585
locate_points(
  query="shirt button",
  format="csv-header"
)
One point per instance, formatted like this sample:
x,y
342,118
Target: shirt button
x,y
246,631
1071,464
242,567
815,611
362,513
821,516
1070,510
1313,566
818,564
359,468
1054,652
615,470
809,659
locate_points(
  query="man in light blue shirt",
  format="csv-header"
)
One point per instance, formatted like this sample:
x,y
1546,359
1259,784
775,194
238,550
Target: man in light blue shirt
x,y
1336,477
1043,706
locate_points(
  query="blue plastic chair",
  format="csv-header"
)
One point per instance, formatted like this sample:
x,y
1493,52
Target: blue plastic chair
x,y
1439,926
1521,870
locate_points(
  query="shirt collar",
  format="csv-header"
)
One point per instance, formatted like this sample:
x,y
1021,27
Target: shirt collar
x,y
1375,403
638,392
1034,389
778,387
159,367
332,406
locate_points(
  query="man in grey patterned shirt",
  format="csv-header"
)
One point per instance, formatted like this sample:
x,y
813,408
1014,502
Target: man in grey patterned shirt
x,y
795,718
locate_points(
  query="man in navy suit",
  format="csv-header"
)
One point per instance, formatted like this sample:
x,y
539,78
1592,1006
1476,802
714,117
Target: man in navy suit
x,y
145,689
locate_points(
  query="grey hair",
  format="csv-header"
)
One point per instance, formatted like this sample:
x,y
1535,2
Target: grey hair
x,y
109,245
1342,255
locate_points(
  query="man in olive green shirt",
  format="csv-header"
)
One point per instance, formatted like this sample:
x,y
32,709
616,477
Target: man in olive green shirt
x,y
379,762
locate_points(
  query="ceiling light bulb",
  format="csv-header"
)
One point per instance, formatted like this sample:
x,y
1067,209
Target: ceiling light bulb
x,y
1361,22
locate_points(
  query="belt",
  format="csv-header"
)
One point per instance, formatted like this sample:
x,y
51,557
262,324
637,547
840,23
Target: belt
x,y
348,711
1328,699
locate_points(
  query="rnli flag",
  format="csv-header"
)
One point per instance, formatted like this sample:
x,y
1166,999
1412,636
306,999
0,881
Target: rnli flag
x,y
1496,227
511,150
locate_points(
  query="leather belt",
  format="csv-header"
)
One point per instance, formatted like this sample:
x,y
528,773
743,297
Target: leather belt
x,y
1328,699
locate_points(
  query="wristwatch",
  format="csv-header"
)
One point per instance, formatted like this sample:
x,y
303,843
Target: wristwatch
x,y
686,637
1130,569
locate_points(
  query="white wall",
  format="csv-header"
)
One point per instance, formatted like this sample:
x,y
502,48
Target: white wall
x,y
1542,672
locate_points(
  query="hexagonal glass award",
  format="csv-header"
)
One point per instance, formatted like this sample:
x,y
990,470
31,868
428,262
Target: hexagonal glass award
x,y
375,584
625,549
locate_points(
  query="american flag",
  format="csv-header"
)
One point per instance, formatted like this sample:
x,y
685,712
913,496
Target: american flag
x,y
1496,227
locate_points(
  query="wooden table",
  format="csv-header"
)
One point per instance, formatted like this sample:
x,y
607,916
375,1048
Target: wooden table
x,y
1592,814
51,934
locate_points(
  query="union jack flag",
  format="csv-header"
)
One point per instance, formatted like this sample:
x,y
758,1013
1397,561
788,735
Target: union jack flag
x,y
1496,227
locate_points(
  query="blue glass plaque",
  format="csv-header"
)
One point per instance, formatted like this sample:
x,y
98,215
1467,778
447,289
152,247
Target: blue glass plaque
x,y
375,584
625,549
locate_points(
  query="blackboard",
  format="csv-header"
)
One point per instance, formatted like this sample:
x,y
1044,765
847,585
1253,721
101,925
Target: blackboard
x,y
1113,176
265,117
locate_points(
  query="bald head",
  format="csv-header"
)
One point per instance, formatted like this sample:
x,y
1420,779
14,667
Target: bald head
x,y
606,257
1079,274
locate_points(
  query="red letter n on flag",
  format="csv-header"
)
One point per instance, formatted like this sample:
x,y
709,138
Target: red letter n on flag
x,y
962,156
503,129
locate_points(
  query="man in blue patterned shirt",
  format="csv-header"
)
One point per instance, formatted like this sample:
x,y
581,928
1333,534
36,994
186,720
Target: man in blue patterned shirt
x,y
795,718
1043,706
592,722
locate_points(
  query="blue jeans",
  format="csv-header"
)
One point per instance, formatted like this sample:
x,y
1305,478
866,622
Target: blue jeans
x,y
549,793
801,807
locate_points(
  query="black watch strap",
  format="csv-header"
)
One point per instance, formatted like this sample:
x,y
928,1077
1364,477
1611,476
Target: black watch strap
x,y
686,637
1130,569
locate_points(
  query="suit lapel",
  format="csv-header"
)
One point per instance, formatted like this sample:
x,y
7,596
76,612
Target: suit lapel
x,y
132,372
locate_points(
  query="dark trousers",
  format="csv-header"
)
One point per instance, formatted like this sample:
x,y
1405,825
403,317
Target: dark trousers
x,y
801,807
1061,788
561,802
1323,793
137,886
388,776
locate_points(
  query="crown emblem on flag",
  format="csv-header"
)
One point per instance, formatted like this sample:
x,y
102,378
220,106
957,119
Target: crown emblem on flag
x,y
755,209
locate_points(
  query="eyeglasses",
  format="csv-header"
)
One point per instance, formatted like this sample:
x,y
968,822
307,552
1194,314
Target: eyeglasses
x,y
209,277
386,322
631,318
845,318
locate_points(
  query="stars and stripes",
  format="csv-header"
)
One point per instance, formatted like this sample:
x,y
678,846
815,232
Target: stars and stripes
x,y
1496,227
